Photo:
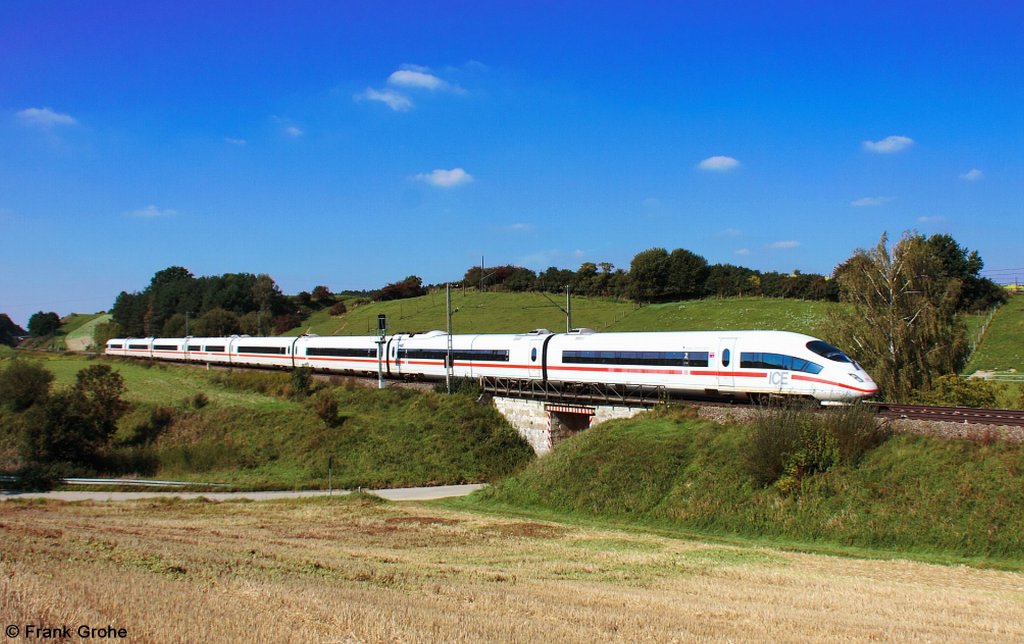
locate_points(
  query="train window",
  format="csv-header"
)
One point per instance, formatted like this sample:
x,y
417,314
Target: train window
x,y
213,348
644,358
777,361
472,355
194,347
261,350
533,354
115,346
725,358
341,352
826,350
164,347
138,347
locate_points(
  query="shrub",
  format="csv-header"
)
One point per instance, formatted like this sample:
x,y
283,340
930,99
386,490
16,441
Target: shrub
x,y
338,309
326,407
302,381
22,384
200,400
789,444
954,391
286,322
855,429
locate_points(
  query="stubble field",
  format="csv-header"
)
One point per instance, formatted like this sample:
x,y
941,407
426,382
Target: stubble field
x,y
356,569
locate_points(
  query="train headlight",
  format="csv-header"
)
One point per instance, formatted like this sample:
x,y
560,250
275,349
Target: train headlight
x,y
857,378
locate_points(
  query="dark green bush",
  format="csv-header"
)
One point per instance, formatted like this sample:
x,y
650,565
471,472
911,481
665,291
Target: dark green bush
x,y
954,391
23,384
302,381
325,405
790,443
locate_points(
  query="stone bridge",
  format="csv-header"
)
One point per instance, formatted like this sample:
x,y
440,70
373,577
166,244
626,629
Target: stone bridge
x,y
546,413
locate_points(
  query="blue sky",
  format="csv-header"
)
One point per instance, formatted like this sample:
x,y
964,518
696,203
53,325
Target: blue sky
x,y
352,144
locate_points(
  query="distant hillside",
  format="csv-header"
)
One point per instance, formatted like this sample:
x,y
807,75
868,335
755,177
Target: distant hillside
x,y
1002,346
519,312
79,335
75,333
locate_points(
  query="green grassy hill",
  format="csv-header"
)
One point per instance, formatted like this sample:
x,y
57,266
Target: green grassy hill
x,y
914,494
520,312
1002,346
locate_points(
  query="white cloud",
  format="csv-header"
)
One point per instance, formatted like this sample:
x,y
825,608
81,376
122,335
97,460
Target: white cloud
x,y
973,175
152,212
519,228
416,78
742,251
397,101
864,202
931,220
718,163
445,178
44,117
409,78
785,244
238,142
889,144
293,131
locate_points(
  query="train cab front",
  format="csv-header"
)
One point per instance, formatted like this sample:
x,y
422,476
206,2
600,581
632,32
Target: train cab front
x,y
850,380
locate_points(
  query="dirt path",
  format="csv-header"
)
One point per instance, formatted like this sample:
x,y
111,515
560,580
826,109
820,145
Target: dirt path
x,y
397,494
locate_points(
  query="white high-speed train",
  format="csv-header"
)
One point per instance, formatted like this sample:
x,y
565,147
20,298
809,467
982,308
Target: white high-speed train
x,y
733,364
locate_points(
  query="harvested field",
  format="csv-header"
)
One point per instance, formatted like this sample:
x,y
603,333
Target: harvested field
x,y
356,569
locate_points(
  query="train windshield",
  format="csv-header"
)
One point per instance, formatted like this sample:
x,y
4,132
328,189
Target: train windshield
x,y
826,350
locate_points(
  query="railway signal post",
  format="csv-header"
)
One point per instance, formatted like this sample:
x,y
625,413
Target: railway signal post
x,y
382,329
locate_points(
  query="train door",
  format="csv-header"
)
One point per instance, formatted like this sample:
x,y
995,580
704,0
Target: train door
x,y
394,361
535,359
725,363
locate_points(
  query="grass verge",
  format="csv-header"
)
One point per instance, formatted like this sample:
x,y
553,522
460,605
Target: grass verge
x,y
918,496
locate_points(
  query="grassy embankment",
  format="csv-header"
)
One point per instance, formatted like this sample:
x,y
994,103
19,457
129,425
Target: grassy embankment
x,y
913,495
253,432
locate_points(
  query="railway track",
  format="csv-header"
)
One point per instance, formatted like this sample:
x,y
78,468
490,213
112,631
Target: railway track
x,y
966,415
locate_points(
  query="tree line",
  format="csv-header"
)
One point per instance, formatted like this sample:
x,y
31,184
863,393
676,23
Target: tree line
x,y
657,275
176,303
